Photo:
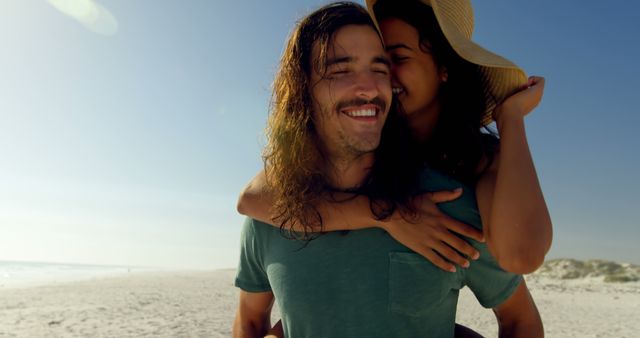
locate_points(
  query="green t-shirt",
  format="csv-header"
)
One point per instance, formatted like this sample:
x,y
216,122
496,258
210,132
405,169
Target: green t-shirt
x,y
364,283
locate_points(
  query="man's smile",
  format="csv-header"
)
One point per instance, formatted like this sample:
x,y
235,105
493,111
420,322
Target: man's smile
x,y
367,112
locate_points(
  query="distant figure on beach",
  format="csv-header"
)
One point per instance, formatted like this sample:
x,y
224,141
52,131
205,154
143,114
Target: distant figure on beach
x,y
328,141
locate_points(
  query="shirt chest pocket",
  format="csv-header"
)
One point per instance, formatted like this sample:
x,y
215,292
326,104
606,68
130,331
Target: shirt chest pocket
x,y
417,287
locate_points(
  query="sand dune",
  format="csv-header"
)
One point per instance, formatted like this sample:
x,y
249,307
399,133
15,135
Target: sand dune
x,y
202,304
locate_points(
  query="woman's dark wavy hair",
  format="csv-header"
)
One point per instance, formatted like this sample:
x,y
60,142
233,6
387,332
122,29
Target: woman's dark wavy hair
x,y
459,143
293,159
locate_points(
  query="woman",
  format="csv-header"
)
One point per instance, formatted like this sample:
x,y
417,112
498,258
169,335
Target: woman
x,y
450,88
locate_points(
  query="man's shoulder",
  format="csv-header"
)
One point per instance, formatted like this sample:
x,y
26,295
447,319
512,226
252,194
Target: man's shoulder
x,y
433,180
253,227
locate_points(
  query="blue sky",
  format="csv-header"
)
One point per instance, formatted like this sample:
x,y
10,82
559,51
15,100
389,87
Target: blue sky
x,y
127,128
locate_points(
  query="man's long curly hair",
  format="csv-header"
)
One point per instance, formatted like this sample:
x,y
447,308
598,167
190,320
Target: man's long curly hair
x,y
293,159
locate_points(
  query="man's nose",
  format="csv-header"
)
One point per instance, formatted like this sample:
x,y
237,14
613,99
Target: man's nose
x,y
367,86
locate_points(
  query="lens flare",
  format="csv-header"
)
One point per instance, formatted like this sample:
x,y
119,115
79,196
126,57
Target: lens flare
x,y
89,13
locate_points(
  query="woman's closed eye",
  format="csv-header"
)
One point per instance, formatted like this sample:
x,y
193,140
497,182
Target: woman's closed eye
x,y
399,58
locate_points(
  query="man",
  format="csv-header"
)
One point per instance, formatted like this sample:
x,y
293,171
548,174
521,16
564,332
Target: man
x,y
332,96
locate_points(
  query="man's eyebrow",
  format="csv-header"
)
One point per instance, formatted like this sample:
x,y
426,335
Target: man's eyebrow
x,y
348,59
337,60
398,46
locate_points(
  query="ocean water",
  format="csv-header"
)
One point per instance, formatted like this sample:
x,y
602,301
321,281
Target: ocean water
x,y
28,274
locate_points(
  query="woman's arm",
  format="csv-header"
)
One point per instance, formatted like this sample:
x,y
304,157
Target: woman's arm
x,y
516,221
430,234
354,213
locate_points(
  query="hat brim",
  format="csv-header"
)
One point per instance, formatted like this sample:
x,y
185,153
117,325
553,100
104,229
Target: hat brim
x,y
501,77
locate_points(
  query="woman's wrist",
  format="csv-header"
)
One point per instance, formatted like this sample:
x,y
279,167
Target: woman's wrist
x,y
505,119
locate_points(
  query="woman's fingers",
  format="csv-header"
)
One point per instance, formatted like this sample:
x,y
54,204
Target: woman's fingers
x,y
443,195
463,229
438,261
536,80
460,245
451,255
434,235
533,81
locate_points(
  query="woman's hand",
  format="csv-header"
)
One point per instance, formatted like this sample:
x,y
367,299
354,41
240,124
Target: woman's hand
x,y
522,102
431,233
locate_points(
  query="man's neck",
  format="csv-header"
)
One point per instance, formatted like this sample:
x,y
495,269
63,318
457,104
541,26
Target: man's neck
x,y
347,173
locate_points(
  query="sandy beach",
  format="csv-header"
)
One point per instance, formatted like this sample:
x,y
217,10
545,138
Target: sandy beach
x,y
166,304
202,304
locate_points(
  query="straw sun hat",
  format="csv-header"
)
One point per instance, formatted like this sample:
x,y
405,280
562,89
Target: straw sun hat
x,y
455,18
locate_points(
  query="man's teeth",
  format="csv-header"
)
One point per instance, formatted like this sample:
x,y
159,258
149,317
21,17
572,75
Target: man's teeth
x,y
396,90
363,112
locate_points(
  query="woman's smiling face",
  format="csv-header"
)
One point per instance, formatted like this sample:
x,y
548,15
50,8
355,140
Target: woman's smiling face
x,y
416,78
